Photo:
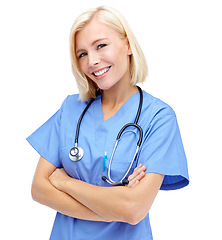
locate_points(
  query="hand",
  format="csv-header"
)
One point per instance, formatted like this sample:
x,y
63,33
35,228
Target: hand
x,y
136,176
58,178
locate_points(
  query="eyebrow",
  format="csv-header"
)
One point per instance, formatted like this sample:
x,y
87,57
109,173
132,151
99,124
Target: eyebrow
x,y
94,42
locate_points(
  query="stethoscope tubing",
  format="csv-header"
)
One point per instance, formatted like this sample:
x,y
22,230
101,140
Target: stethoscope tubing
x,y
110,162
80,120
77,155
131,125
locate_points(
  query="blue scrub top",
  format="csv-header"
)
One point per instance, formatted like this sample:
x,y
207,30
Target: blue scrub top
x,y
161,151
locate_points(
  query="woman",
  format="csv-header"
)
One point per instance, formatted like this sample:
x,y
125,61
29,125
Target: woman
x,y
106,56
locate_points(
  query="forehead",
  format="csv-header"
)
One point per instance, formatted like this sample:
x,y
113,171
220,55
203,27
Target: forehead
x,y
93,31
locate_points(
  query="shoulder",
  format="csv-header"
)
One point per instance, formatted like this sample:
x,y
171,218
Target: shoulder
x,y
72,99
72,102
155,106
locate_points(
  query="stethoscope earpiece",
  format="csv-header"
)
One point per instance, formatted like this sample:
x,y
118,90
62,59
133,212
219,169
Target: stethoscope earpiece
x,y
123,182
76,154
104,178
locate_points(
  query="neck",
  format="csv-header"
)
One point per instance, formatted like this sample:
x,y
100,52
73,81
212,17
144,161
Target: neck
x,y
118,94
114,98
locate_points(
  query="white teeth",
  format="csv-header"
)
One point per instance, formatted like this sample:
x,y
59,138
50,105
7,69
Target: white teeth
x,y
97,74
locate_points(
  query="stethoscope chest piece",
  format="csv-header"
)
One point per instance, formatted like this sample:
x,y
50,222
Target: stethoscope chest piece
x,y
76,154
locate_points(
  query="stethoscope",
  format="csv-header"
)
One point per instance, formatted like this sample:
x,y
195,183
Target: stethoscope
x,y
76,153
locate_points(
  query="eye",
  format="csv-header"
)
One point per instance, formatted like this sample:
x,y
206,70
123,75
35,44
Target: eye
x,y
82,55
101,46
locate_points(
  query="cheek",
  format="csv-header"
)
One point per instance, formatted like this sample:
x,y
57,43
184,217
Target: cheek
x,y
83,66
119,56
107,57
121,61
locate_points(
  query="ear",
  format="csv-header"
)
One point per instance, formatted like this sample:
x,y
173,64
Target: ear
x,y
129,52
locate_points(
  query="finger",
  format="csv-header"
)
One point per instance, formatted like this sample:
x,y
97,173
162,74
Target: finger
x,y
135,184
140,165
140,176
137,168
140,168
143,168
136,180
136,171
132,182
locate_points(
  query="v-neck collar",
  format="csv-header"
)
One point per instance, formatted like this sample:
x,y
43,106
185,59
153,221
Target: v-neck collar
x,y
131,101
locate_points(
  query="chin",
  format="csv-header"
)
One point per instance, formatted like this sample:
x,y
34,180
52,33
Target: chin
x,y
107,85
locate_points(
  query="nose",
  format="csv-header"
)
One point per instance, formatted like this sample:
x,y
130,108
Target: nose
x,y
93,59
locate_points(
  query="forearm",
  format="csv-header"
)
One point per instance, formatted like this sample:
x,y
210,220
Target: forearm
x,y
112,204
109,202
45,193
123,204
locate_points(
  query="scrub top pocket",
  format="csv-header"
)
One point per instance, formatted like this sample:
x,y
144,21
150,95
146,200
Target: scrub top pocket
x,y
161,152
119,169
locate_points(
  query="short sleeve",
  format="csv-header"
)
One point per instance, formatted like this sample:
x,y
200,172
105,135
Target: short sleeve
x,y
46,139
163,152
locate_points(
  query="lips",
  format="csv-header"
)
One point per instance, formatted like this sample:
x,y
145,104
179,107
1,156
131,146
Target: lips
x,y
100,72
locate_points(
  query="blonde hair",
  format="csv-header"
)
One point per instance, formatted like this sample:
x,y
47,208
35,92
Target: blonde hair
x,y
111,17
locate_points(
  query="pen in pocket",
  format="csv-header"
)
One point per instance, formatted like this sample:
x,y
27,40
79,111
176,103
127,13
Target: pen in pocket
x,y
104,161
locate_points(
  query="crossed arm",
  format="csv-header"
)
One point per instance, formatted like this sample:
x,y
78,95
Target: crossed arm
x,y
54,188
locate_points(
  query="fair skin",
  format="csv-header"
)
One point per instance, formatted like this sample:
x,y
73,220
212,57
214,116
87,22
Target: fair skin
x,y
100,47
44,192
103,57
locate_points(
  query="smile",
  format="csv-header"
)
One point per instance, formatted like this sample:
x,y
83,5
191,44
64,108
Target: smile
x,y
101,72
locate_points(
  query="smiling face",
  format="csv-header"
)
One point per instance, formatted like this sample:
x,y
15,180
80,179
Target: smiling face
x,y
103,55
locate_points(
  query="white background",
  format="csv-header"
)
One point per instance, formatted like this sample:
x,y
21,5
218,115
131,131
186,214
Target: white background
x,y
182,43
